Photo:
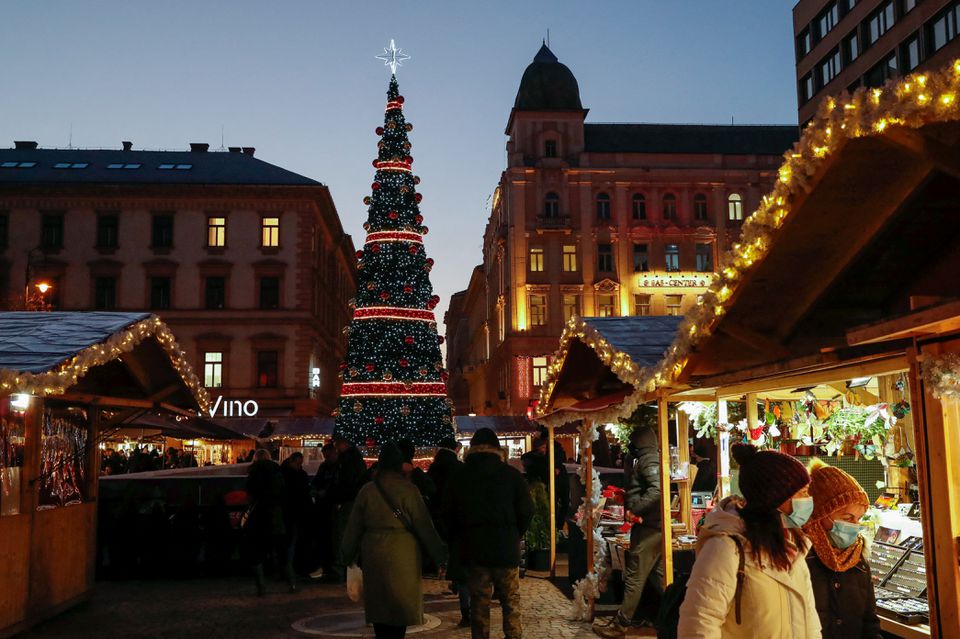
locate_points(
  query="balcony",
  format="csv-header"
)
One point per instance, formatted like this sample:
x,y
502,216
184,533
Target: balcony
x,y
551,222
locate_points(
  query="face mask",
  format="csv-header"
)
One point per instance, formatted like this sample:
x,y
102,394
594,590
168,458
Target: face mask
x,y
802,509
844,534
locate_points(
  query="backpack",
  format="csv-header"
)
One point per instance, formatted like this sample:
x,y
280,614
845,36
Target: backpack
x,y
668,615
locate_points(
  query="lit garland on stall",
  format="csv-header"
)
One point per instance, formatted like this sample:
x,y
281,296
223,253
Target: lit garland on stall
x,y
941,376
67,374
394,381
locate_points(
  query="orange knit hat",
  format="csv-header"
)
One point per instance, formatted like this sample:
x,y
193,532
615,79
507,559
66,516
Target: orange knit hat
x,y
832,488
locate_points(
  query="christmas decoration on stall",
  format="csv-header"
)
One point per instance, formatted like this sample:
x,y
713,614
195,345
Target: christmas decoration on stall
x,y
394,382
941,376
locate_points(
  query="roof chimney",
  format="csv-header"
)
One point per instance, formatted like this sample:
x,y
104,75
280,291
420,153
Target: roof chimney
x,y
199,147
24,144
249,150
127,145
233,149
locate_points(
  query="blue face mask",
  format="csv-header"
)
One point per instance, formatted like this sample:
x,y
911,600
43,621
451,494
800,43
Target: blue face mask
x,y
802,509
844,534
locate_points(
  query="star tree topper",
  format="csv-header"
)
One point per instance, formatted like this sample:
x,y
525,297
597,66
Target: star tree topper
x,y
393,57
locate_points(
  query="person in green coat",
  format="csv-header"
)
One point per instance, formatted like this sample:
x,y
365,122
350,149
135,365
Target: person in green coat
x,y
389,553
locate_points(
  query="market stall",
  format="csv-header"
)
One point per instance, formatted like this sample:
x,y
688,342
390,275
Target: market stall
x,y
65,379
516,433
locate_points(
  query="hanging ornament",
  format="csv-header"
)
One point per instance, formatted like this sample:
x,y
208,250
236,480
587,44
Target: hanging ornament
x,y
379,130
408,289
392,215
408,160
381,144
408,385
378,420
424,230
403,362
357,407
429,261
412,249
352,303
418,197
399,99
387,376
376,162
369,366
423,372
416,179
391,125
449,402
384,295
404,189
370,442
408,340
343,366
438,366
409,127
371,286
405,410
406,146
374,248
335,412
375,186
418,219
440,339
444,376
367,200
359,254
446,419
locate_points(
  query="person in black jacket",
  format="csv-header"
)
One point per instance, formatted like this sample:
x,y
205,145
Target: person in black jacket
x,y
444,467
488,509
296,508
349,479
264,529
642,495
842,587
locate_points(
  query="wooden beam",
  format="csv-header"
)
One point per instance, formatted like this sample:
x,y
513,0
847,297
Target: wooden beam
x,y
588,487
943,318
754,340
666,542
944,158
551,463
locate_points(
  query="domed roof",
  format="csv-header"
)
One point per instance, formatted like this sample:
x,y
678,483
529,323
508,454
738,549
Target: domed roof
x,y
548,85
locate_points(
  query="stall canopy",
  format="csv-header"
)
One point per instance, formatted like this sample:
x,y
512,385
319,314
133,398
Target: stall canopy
x,y
176,426
125,361
279,427
504,426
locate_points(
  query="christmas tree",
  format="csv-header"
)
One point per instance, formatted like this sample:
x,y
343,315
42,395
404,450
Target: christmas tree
x,y
394,384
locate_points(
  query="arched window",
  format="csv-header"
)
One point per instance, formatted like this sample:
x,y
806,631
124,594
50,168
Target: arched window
x,y
639,206
670,207
603,206
551,205
700,207
735,207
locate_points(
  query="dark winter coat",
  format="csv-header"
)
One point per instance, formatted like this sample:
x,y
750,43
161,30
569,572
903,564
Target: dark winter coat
x,y
444,466
390,555
296,500
642,490
487,509
845,600
265,491
537,468
351,475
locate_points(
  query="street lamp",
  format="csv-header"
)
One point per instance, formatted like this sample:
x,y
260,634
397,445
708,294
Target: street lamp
x,y
36,300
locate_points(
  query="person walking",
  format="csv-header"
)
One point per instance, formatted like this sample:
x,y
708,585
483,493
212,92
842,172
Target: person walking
x,y
444,466
750,578
388,529
296,504
487,509
263,529
351,473
642,495
323,512
842,586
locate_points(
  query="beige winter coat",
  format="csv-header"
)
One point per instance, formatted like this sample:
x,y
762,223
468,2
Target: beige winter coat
x,y
775,604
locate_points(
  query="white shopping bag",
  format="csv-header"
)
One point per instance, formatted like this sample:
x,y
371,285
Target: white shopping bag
x,y
354,582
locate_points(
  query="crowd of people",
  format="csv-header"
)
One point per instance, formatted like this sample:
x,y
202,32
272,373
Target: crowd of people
x,y
116,461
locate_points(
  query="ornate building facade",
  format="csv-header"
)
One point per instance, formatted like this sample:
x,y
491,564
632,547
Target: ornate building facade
x,y
247,262
594,220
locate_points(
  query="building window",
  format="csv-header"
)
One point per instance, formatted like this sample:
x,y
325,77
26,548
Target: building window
x,y
569,258
215,293
107,231
160,293
105,293
641,258
705,258
910,53
270,232
538,309
4,230
639,207
269,293
607,305
550,149
670,207
674,302
571,305
551,205
51,231
807,88
267,369
830,67
213,369
880,22
603,206
828,20
909,5
216,232
539,370
735,207
700,207
880,73
536,260
641,304
672,253
851,47
943,29
162,236
803,43
605,258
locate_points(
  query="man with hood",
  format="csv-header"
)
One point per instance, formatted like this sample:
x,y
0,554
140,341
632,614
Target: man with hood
x,y
487,508
642,495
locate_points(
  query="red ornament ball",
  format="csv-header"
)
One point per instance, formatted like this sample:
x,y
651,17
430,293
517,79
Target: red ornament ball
x,y
403,362
444,376
375,248
424,230
379,130
408,159
375,186
408,290
430,261
409,127
367,200
418,219
343,366
408,339
371,442
378,420
418,197
413,250
384,295
376,162
370,367
440,339
393,215
399,99
359,255
416,179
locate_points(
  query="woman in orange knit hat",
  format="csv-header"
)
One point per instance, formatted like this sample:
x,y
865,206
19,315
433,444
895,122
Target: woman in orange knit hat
x,y
839,571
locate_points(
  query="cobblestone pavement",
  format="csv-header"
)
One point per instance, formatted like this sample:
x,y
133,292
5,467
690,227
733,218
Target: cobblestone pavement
x,y
226,608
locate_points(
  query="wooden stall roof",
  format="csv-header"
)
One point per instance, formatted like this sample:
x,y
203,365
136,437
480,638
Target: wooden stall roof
x,y
127,361
602,357
278,427
503,425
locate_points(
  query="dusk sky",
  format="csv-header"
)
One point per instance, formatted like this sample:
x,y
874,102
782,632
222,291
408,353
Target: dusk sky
x,y
299,81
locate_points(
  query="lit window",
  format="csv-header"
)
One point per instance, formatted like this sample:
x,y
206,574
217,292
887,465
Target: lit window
x,y
569,257
538,310
213,369
539,370
607,305
641,258
536,260
270,235
735,207
674,302
605,258
571,305
216,231
639,207
670,207
603,206
705,258
641,304
551,205
700,207
672,255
